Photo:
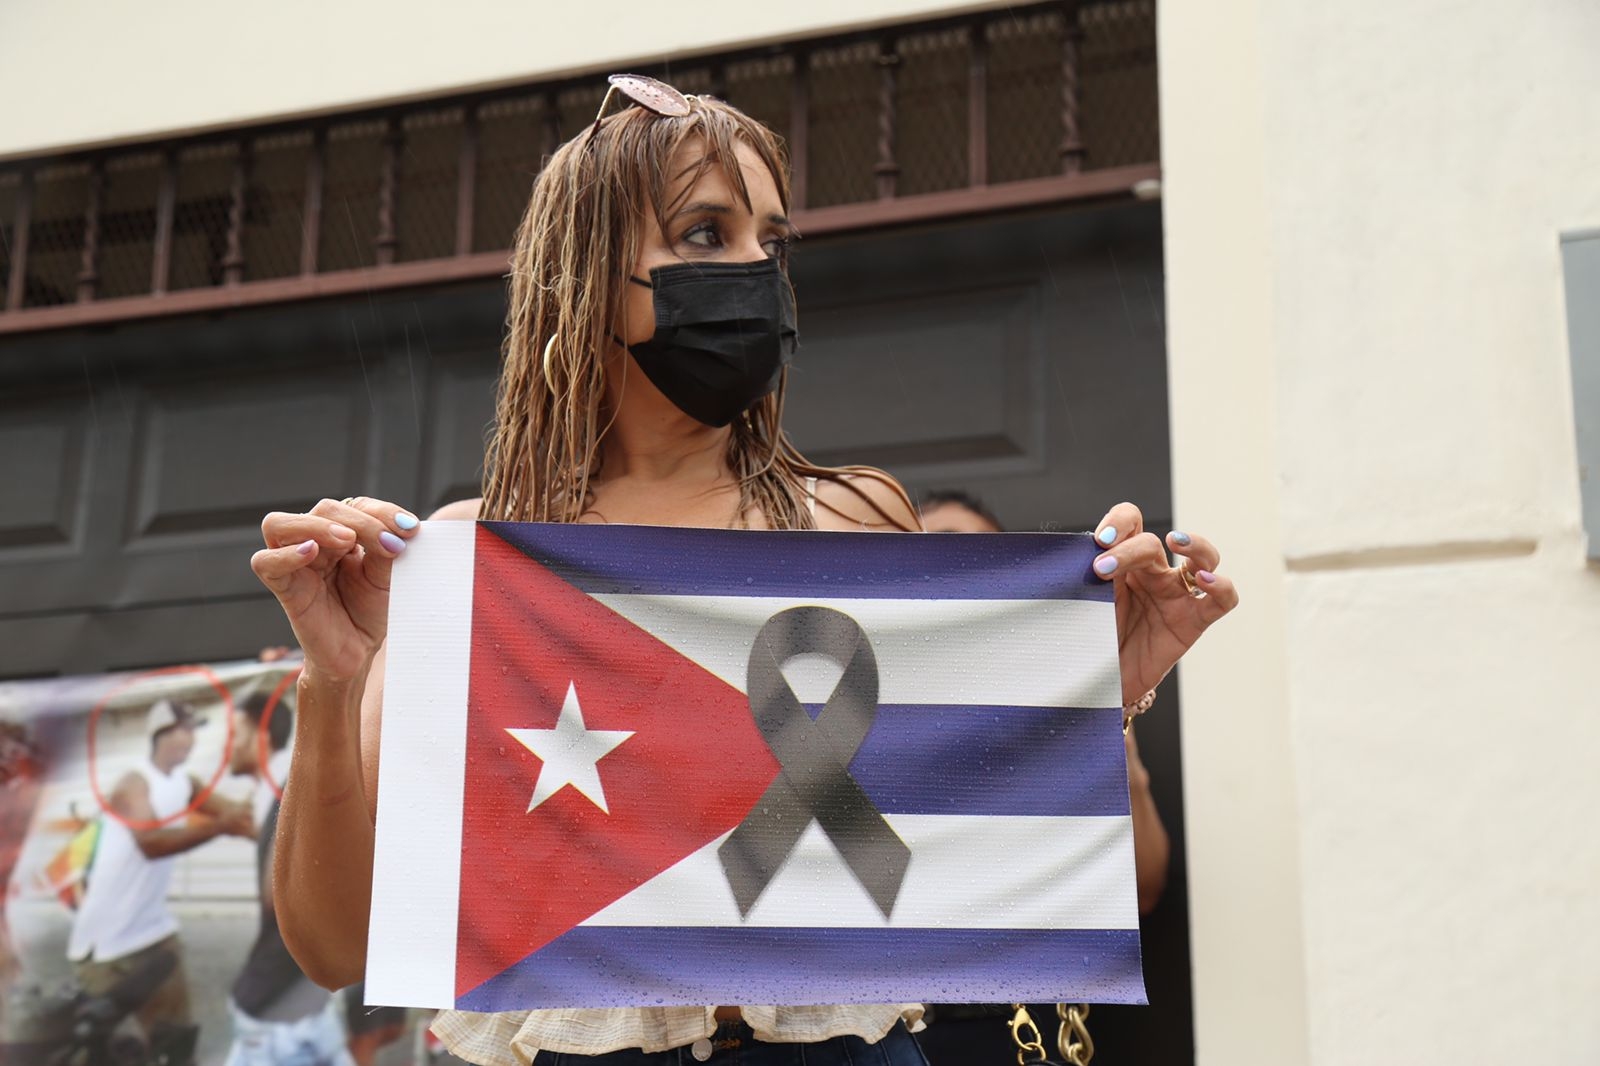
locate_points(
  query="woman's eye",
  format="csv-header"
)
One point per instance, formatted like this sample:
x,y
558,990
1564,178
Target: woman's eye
x,y
704,235
707,235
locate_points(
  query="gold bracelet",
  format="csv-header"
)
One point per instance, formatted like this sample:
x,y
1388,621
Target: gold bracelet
x,y
1130,711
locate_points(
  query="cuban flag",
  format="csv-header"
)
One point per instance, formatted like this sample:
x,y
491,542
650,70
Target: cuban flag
x,y
631,765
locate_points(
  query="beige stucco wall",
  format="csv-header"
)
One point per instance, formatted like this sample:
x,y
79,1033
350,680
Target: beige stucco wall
x,y
1391,750
99,70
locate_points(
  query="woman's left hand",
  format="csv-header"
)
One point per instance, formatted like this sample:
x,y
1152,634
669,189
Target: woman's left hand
x,y
1158,616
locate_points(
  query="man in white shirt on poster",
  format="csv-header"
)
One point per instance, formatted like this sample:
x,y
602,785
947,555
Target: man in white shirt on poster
x,y
123,926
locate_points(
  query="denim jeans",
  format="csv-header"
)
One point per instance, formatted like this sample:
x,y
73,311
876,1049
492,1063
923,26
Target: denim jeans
x,y
733,1044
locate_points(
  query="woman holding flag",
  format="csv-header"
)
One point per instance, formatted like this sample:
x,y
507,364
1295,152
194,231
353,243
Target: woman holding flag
x,y
650,327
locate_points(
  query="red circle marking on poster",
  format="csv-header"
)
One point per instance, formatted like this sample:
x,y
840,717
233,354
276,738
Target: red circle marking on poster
x,y
263,744
142,824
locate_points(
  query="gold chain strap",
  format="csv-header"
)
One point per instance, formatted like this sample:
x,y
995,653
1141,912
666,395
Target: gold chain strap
x,y
1077,1046
1072,1037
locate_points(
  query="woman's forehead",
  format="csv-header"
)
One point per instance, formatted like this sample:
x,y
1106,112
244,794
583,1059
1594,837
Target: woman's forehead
x,y
694,177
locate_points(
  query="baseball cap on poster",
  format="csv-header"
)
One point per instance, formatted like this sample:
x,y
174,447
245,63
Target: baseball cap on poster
x,y
165,713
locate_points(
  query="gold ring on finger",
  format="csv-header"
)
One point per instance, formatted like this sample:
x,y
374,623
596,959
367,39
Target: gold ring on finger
x,y
1190,583
350,501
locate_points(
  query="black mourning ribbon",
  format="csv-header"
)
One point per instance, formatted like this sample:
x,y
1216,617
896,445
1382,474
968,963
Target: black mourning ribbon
x,y
814,779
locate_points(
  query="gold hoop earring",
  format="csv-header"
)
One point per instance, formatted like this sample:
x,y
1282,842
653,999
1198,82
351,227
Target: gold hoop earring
x,y
549,347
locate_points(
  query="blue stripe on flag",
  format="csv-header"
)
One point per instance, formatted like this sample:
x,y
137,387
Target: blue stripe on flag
x,y
671,561
614,966
994,760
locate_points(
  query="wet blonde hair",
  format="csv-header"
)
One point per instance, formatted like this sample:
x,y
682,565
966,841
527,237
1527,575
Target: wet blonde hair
x,y
578,242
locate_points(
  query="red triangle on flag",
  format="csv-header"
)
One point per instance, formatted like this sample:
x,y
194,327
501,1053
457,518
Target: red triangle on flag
x,y
694,767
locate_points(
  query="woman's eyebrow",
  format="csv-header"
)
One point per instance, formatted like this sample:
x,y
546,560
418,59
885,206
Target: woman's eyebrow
x,y
713,208
701,206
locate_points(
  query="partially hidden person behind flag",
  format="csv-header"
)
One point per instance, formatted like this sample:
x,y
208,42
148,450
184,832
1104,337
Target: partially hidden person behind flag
x,y
280,1016
954,511
960,1033
650,329
123,921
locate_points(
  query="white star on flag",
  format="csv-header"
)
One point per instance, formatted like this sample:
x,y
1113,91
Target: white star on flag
x,y
570,752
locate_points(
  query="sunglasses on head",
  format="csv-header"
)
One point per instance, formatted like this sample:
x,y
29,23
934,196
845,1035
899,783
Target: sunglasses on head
x,y
648,93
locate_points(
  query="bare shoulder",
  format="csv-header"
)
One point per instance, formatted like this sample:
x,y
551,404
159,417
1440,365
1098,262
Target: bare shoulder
x,y
462,510
865,498
131,784
131,795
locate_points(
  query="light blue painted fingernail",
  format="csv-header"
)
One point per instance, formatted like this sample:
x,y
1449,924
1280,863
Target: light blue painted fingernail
x,y
1106,565
391,542
1107,535
407,520
1180,539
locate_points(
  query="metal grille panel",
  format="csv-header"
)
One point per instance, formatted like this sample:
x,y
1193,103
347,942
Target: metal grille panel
x,y
10,189
876,122
930,143
55,235
350,196
429,162
200,217
128,227
1025,97
843,127
275,206
761,88
1120,105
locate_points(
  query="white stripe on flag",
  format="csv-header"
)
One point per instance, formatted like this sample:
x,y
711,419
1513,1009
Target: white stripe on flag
x,y
1006,653
966,872
416,882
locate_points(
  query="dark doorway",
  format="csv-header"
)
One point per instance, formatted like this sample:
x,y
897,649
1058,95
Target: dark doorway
x,y
1020,358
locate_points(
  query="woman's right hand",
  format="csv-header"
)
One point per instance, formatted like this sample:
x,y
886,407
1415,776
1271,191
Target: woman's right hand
x,y
330,570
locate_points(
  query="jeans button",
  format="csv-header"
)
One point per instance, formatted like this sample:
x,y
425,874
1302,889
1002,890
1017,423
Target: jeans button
x,y
700,1049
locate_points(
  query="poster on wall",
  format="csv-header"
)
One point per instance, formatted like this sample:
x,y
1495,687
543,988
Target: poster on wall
x,y
135,812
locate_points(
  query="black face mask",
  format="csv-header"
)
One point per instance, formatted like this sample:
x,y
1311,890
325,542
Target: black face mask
x,y
724,333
